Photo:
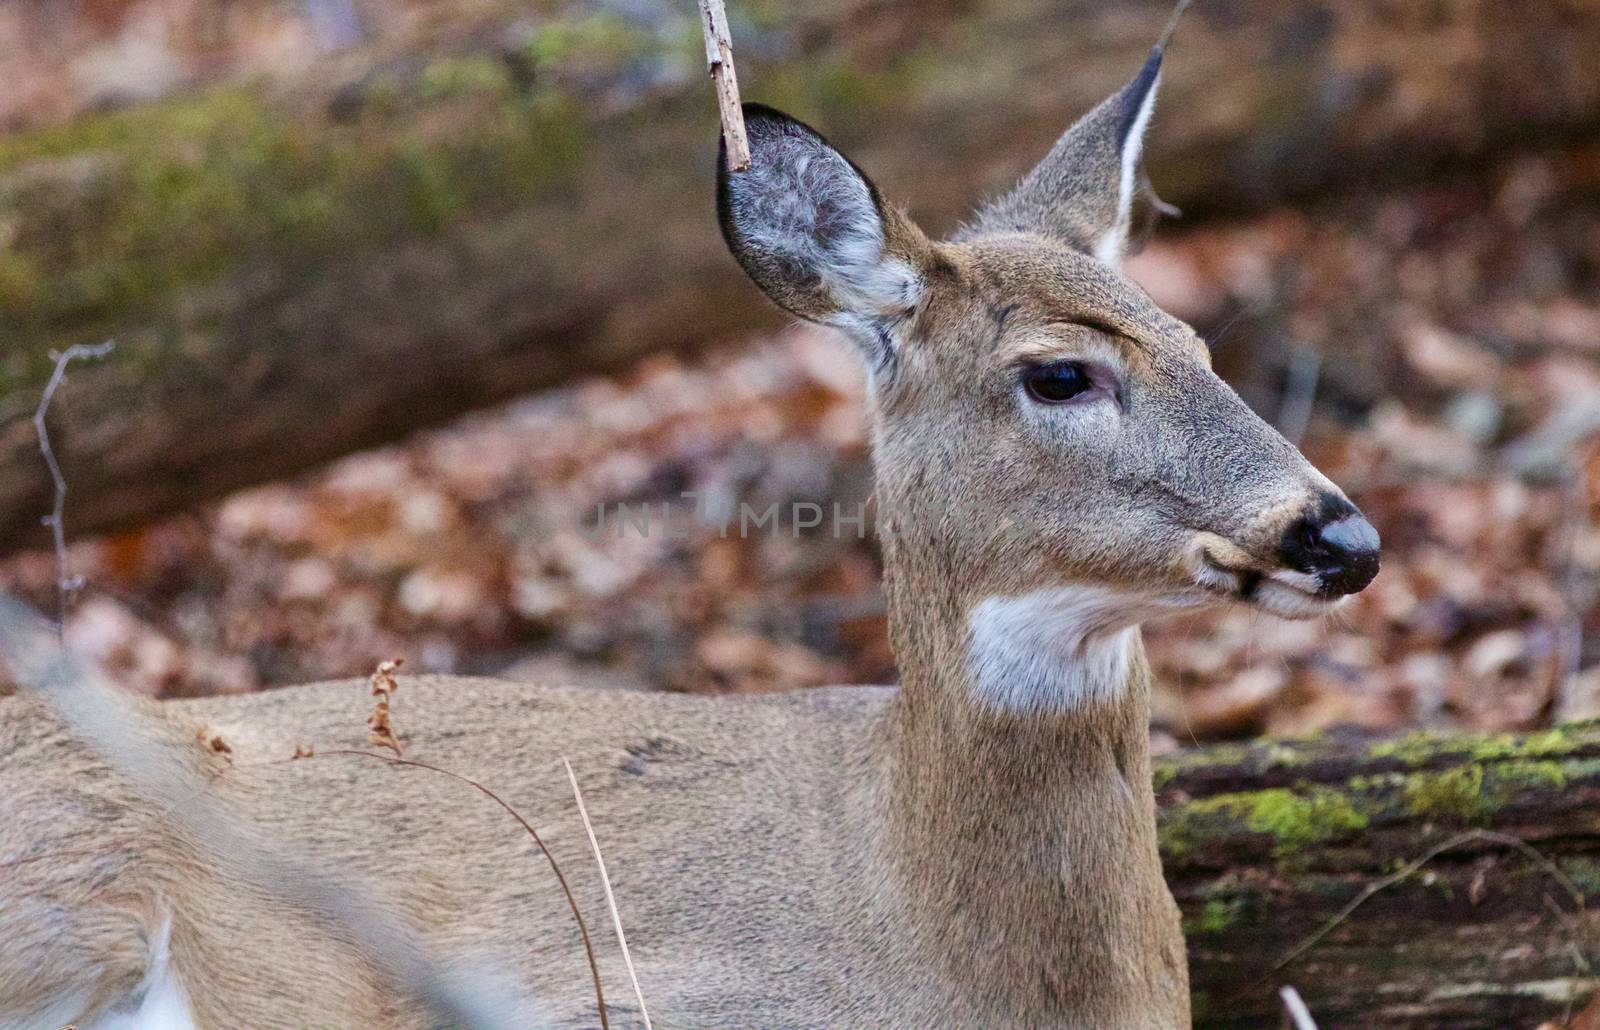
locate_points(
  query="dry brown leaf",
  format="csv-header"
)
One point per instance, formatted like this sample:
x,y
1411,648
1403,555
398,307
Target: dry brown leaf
x,y
382,678
381,733
380,730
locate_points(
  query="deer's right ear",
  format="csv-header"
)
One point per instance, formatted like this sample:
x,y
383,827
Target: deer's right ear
x,y
814,234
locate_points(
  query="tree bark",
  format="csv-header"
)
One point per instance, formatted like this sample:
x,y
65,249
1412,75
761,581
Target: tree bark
x,y
291,273
1266,844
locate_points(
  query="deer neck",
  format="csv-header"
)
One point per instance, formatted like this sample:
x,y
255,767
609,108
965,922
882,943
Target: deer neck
x,y
1021,820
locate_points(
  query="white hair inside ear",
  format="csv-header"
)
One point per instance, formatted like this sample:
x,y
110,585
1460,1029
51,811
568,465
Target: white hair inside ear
x,y
1113,245
804,205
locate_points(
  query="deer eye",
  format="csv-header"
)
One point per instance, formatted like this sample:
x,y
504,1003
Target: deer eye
x,y
1056,382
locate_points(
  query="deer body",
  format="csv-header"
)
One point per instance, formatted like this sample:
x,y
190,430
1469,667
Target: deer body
x,y
1056,463
808,878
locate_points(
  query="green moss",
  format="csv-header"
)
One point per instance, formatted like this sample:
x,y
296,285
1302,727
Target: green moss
x,y
1415,750
1535,774
1215,916
1473,792
114,214
136,223
1422,747
1300,819
1295,819
1456,795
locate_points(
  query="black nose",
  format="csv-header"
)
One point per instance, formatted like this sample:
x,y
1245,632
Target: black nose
x,y
1337,545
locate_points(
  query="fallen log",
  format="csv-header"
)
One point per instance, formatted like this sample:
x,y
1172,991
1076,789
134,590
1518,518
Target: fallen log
x,y
292,272
1429,881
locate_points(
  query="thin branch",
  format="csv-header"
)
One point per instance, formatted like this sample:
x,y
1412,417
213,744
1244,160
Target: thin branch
x,y
572,902
1469,837
66,583
1297,1014
719,62
611,900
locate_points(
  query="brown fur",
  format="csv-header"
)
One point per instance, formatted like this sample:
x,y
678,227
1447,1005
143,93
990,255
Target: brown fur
x,y
840,857
772,868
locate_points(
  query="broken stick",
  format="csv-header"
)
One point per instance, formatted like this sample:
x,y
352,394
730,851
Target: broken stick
x,y
719,62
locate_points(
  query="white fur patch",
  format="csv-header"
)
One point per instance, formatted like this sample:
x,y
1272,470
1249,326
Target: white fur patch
x,y
1276,597
1302,581
1287,593
1114,243
1053,650
162,1003
805,204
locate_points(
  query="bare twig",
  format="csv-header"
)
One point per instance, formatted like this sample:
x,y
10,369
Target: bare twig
x,y
611,900
555,867
1296,1014
719,62
66,583
1460,839
1172,23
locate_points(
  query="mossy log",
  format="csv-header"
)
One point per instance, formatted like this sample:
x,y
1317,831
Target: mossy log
x,y
1267,844
294,272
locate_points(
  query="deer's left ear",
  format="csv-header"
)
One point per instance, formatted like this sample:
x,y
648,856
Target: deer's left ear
x,y
1082,193
816,236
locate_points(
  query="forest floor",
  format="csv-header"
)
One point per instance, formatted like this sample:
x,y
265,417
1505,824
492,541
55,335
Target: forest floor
x,y
1435,349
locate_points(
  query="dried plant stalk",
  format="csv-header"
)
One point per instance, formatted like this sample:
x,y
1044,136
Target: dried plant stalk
x,y
719,62
555,867
611,899
66,583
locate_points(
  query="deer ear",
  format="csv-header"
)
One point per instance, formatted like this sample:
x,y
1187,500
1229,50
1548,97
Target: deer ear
x,y
1082,193
814,234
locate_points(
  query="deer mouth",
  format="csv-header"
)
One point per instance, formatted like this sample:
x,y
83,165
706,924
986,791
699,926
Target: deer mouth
x,y
1282,592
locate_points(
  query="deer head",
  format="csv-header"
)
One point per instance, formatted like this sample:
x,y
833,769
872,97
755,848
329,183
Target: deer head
x,y
1057,461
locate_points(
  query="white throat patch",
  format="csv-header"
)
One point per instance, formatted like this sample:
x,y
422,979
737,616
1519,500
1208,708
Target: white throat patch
x,y
1055,650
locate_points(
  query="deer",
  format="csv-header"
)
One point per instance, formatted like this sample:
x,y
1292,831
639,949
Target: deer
x,y
1056,462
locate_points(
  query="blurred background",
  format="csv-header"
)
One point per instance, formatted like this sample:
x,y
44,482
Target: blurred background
x,y
398,287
